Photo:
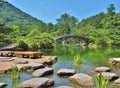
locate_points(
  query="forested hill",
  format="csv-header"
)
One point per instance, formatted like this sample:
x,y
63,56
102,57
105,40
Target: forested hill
x,y
101,29
9,14
93,21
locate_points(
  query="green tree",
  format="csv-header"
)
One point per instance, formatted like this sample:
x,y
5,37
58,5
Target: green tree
x,y
110,10
41,26
94,21
36,40
65,23
108,21
50,28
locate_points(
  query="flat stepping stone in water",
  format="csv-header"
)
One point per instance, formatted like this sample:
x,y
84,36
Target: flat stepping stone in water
x,y
2,71
21,61
82,79
32,66
43,72
6,59
114,60
3,85
117,82
52,60
109,75
63,87
49,62
37,83
66,72
102,69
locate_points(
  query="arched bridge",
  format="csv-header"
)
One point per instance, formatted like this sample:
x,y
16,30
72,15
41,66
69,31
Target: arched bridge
x,y
78,38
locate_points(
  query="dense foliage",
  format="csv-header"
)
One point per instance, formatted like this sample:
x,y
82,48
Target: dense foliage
x,y
102,29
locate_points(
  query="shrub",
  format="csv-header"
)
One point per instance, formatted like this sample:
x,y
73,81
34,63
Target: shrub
x,y
22,45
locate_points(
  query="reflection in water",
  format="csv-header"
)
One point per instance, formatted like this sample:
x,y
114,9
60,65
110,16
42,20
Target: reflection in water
x,y
14,84
91,58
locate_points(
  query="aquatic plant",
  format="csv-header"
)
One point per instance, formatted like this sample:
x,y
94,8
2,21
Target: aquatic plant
x,y
101,82
77,60
15,73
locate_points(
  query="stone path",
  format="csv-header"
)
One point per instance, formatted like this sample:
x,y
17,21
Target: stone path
x,y
102,69
66,72
42,72
6,66
82,79
37,83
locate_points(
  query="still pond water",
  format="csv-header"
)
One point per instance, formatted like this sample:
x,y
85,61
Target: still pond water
x,y
90,59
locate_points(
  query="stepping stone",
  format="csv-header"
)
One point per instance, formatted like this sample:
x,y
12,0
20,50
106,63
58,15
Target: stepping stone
x,y
32,66
114,60
82,79
6,59
102,69
3,85
66,72
51,61
63,87
117,82
43,72
37,83
21,61
2,71
109,75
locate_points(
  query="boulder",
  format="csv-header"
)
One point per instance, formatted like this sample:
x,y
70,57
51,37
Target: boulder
x,y
32,67
2,85
102,69
114,60
63,87
109,75
21,61
48,62
37,83
6,59
43,72
2,71
51,60
66,72
117,82
82,79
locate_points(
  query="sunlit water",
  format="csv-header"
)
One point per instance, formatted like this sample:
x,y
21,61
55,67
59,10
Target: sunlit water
x,y
90,59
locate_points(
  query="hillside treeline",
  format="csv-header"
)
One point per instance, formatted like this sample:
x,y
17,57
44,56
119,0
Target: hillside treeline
x,y
102,29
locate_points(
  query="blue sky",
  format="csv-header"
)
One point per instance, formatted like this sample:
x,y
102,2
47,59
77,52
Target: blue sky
x,y
50,10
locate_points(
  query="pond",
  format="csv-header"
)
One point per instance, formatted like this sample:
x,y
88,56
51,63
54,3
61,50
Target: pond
x,y
90,59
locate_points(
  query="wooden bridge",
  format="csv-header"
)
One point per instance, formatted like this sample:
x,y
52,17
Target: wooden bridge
x,y
65,37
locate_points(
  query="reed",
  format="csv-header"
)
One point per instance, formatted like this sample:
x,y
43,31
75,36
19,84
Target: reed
x,y
77,60
15,73
101,82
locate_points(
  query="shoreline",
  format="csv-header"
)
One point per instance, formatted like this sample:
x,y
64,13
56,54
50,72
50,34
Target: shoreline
x,y
5,66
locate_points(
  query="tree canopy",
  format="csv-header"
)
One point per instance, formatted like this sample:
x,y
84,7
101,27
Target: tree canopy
x,y
15,26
